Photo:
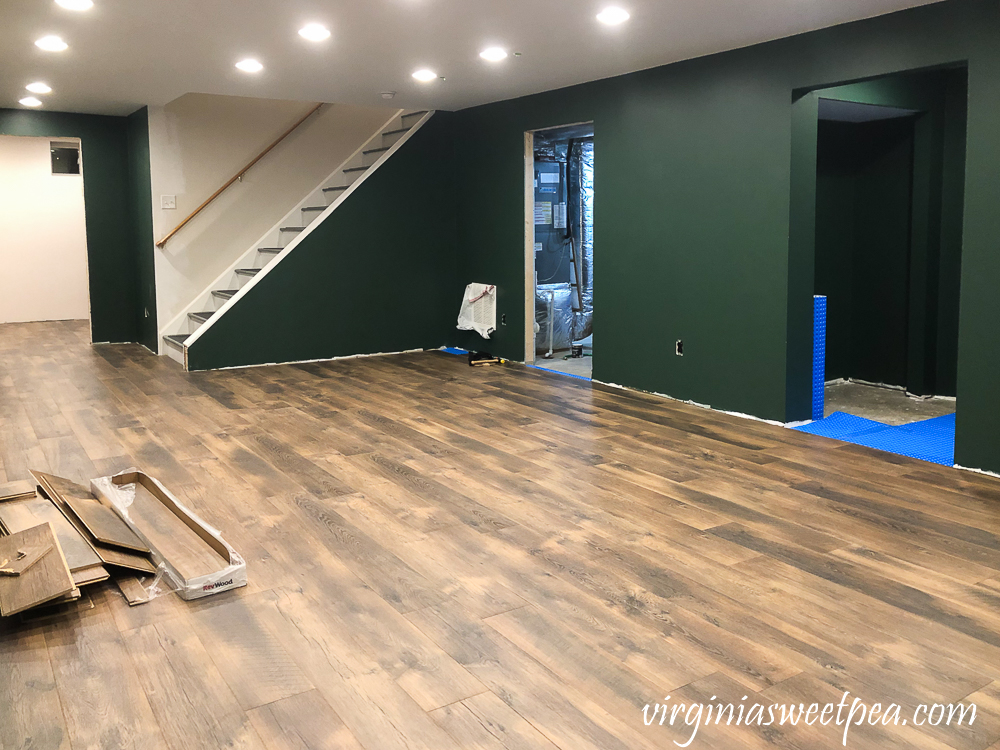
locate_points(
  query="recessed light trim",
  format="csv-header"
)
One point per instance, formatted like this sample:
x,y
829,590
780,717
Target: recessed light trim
x,y
39,88
51,43
424,75
494,54
31,101
250,65
75,4
613,15
314,32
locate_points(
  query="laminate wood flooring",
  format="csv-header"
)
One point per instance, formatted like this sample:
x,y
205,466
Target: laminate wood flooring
x,y
444,557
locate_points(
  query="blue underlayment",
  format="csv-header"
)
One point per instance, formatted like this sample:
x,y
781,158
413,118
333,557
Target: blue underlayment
x,y
819,356
930,440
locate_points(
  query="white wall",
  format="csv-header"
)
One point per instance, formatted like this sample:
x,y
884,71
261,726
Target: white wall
x,y
43,235
199,141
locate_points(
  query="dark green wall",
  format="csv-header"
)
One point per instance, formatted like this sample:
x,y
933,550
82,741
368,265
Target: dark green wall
x,y
699,232
110,201
863,222
141,226
694,237
377,276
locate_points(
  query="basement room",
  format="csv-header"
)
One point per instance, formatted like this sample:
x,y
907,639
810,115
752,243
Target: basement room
x,y
305,443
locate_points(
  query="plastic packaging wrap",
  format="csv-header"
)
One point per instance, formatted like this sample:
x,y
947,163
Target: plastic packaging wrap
x,y
584,322
561,296
119,492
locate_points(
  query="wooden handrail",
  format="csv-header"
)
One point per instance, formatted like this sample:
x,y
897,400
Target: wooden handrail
x,y
238,175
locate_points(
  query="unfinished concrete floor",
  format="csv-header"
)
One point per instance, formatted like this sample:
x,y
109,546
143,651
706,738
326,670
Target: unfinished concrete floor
x,y
883,404
582,367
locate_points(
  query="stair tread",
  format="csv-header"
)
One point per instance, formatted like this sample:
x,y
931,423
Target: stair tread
x,y
329,189
248,271
269,249
315,208
292,229
201,317
225,293
377,150
397,130
355,169
177,339
414,114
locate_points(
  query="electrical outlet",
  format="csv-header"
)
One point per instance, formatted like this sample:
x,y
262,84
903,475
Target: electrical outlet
x,y
168,201
503,319
679,348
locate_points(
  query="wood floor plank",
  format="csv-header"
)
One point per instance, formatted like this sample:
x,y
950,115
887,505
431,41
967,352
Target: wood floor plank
x,y
190,699
31,714
451,557
96,679
302,722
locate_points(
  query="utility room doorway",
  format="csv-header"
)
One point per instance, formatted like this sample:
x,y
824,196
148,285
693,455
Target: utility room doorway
x,y
559,199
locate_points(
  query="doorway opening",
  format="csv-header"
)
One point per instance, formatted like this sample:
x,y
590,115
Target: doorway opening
x,y
560,249
886,254
43,232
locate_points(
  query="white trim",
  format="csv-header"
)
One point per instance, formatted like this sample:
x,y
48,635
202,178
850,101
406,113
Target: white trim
x,y
325,359
301,235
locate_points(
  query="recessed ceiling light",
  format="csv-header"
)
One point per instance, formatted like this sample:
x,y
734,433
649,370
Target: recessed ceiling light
x,y
76,4
613,16
425,76
249,66
39,88
493,54
51,44
314,32
30,101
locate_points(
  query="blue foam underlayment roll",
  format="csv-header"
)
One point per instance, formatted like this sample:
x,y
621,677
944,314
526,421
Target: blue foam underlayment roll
x,y
819,355
929,440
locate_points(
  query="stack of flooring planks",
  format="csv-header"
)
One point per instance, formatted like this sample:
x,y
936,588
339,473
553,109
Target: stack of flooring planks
x,y
75,538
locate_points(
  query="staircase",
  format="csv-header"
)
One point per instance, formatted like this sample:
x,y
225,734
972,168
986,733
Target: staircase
x,y
271,249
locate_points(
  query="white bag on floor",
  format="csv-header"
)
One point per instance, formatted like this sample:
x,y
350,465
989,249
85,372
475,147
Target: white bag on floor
x,y
479,309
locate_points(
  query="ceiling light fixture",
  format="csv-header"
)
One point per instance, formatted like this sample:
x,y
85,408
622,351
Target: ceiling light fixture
x,y
76,4
425,76
39,88
314,32
493,54
51,44
249,65
30,101
613,16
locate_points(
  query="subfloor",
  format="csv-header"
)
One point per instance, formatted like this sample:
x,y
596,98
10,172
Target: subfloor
x,y
449,557
582,367
883,405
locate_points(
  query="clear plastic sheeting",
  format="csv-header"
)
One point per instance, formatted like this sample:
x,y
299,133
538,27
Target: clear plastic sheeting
x,y
583,159
553,317
479,309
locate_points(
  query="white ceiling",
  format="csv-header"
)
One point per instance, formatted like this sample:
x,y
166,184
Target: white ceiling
x,y
126,53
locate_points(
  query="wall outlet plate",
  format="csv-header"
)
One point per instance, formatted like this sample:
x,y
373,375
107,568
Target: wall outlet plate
x,y
168,202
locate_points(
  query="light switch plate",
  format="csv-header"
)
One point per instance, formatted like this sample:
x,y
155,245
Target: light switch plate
x,y
168,201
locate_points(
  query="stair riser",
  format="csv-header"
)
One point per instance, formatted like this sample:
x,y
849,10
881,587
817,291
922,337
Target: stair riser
x,y
332,195
390,140
351,177
369,159
410,120
308,217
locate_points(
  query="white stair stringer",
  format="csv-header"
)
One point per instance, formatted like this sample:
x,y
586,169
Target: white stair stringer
x,y
237,280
